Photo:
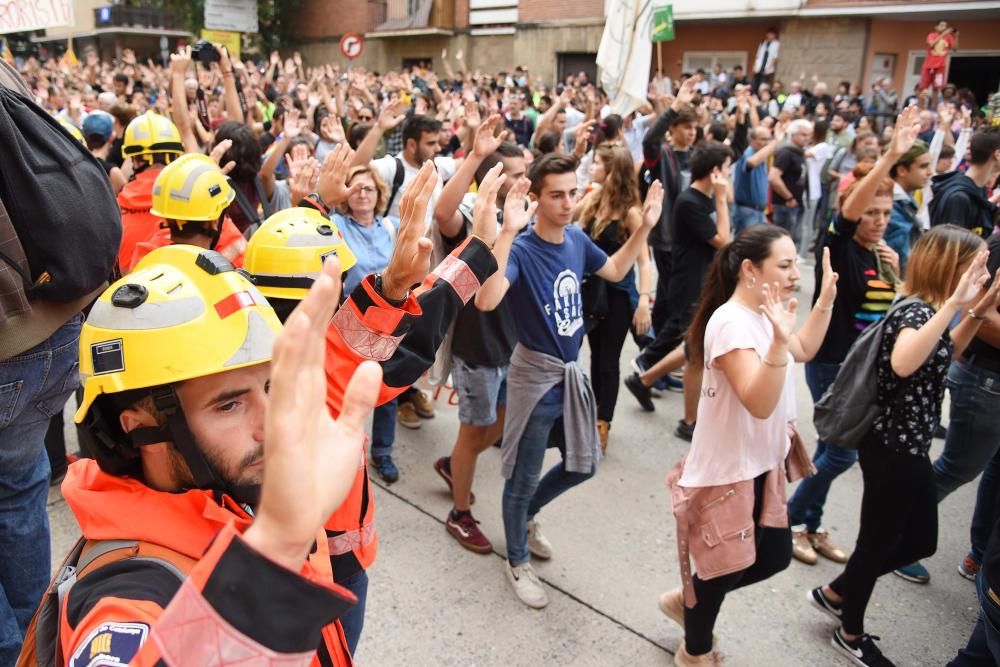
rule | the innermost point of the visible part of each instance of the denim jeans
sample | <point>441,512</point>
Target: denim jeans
<point>790,219</point>
<point>353,622</point>
<point>523,494</point>
<point>384,428</point>
<point>744,216</point>
<point>983,649</point>
<point>973,427</point>
<point>34,386</point>
<point>806,504</point>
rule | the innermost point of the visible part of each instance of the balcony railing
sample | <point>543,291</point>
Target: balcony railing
<point>399,15</point>
<point>121,16</point>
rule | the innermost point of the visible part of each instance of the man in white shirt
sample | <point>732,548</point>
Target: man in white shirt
<point>421,142</point>
<point>766,60</point>
<point>794,99</point>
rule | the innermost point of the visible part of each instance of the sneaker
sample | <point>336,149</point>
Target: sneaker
<point>443,467</point>
<point>538,545</point>
<point>914,572</point>
<point>969,568</point>
<point>406,415</point>
<point>526,585</point>
<point>684,659</point>
<point>465,529</point>
<point>684,431</point>
<point>861,651</point>
<point>658,387</point>
<point>640,391</point>
<point>824,546</point>
<point>672,606</point>
<point>823,603</point>
<point>802,548</point>
<point>422,403</point>
<point>386,469</point>
<point>670,383</point>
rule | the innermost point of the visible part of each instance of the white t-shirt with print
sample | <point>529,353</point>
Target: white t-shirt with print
<point>730,445</point>
<point>386,167</point>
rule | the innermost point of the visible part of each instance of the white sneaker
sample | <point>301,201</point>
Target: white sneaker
<point>538,545</point>
<point>526,585</point>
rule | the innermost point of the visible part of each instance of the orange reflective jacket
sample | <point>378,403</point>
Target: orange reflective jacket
<point>138,224</point>
<point>232,244</point>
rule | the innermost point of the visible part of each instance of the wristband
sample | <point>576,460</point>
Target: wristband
<point>978,318</point>
<point>377,284</point>
<point>766,362</point>
<point>825,309</point>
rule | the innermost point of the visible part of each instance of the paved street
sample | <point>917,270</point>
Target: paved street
<point>433,603</point>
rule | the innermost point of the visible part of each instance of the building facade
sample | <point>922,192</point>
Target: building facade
<point>831,40</point>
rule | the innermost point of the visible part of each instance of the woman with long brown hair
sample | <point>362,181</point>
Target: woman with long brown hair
<point>945,273</point>
<point>610,214</point>
<point>728,492</point>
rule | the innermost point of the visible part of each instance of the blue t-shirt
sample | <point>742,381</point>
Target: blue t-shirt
<point>371,245</point>
<point>544,291</point>
<point>750,184</point>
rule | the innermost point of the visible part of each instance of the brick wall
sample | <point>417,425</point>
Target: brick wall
<point>537,11</point>
<point>831,49</point>
<point>326,18</point>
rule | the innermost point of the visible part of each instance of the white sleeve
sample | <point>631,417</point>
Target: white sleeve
<point>446,167</point>
<point>386,168</point>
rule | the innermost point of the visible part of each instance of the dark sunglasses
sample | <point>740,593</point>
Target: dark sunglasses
<point>366,117</point>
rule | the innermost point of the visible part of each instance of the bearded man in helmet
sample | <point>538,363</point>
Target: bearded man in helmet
<point>215,471</point>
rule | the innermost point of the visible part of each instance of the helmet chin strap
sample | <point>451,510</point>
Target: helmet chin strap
<point>205,475</point>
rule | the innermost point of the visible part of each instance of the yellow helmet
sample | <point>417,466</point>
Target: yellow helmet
<point>183,313</point>
<point>191,188</point>
<point>286,254</point>
<point>72,129</point>
<point>151,133</point>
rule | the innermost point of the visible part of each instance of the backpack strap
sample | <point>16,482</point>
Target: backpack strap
<point>99,553</point>
<point>249,211</point>
<point>397,183</point>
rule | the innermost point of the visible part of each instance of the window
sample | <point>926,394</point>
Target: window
<point>706,60</point>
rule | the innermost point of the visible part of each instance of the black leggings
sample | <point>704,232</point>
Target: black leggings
<point>898,526</point>
<point>774,553</point>
<point>606,341</point>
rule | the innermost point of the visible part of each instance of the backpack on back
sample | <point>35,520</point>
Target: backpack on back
<point>848,410</point>
<point>42,645</point>
<point>60,225</point>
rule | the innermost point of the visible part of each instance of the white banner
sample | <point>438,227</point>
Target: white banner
<point>625,53</point>
<point>27,15</point>
<point>230,15</point>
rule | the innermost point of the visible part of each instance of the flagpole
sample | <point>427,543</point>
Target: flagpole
<point>659,60</point>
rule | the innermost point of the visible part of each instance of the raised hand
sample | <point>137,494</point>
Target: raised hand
<point>485,142</point>
<point>332,126</point>
<point>971,282</point>
<point>332,184</point>
<point>391,116</point>
<point>180,62</point>
<point>517,211</point>
<point>473,119</point>
<point>411,256</point>
<point>484,212</point>
<point>653,206</point>
<point>782,318</point>
<point>828,288</point>
<point>905,132</point>
<point>720,184</point>
<point>991,299</point>
<point>219,152</point>
<point>310,458</point>
<point>292,128</point>
<point>303,173</point>
<point>685,94</point>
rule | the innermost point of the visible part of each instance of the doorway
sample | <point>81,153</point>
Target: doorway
<point>574,63</point>
<point>977,70</point>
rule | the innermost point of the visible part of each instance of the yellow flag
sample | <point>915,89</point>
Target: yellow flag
<point>5,52</point>
<point>69,58</point>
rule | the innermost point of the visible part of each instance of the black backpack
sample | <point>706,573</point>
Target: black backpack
<point>58,201</point>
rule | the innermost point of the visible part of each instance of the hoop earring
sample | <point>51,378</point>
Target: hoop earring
<point>753,283</point>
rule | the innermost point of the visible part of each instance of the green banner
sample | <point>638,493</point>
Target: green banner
<point>663,24</point>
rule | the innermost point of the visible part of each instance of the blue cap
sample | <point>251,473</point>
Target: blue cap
<point>99,123</point>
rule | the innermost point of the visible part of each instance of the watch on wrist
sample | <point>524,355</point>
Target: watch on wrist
<point>377,283</point>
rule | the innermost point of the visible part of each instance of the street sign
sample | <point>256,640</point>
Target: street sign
<point>231,15</point>
<point>351,45</point>
<point>663,24</point>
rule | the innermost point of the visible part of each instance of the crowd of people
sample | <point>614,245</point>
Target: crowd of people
<point>300,244</point>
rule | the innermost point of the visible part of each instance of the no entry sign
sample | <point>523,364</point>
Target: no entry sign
<point>351,45</point>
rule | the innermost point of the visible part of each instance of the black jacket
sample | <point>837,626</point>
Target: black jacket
<point>959,201</point>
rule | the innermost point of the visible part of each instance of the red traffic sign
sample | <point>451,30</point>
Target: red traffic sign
<point>351,45</point>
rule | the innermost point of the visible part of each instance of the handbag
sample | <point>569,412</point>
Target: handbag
<point>594,293</point>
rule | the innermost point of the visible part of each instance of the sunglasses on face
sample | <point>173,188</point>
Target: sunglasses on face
<point>365,117</point>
